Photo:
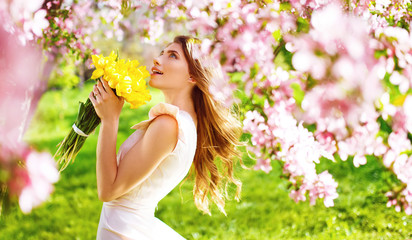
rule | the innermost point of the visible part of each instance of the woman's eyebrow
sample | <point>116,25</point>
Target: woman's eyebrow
<point>170,51</point>
<point>173,51</point>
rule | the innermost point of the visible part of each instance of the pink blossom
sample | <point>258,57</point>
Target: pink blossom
<point>362,142</point>
<point>254,123</point>
<point>407,109</point>
<point>154,30</point>
<point>42,173</point>
<point>399,121</point>
<point>387,109</point>
<point>203,22</point>
<point>305,7</point>
<point>329,101</point>
<point>400,80</point>
<point>38,23</point>
<point>398,143</point>
<point>325,187</point>
<point>30,175</point>
<point>327,142</point>
<point>26,14</point>
<point>397,10</point>
<point>23,10</point>
<point>263,164</point>
<point>298,195</point>
<point>299,150</point>
<point>287,22</point>
<point>307,61</point>
<point>403,168</point>
<point>381,5</point>
<point>359,160</point>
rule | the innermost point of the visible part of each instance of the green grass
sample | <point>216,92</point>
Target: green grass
<point>264,212</point>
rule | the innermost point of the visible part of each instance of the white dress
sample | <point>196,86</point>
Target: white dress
<point>131,216</point>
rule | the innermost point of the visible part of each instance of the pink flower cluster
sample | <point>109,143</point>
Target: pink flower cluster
<point>322,187</point>
<point>402,168</point>
<point>304,8</point>
<point>400,163</point>
<point>238,39</point>
<point>30,19</point>
<point>337,54</point>
<point>363,141</point>
<point>396,42</point>
<point>30,175</point>
<point>69,32</point>
<point>243,32</point>
<point>342,103</point>
<point>396,109</point>
<point>58,32</point>
<point>337,51</point>
<point>280,137</point>
<point>395,10</point>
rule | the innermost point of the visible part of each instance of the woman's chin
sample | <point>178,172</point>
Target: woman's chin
<point>151,83</point>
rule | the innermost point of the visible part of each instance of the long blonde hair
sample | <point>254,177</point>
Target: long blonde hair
<point>218,132</point>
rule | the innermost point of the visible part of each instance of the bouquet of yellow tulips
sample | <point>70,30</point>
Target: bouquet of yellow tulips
<point>126,78</point>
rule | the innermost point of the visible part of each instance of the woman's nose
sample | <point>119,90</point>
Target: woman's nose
<point>156,62</point>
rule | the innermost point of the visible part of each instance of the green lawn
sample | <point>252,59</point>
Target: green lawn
<point>265,211</point>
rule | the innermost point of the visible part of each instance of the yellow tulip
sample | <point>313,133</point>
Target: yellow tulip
<point>112,57</point>
<point>114,80</point>
<point>134,64</point>
<point>98,61</point>
<point>97,73</point>
<point>127,80</point>
<point>110,70</point>
<point>143,71</point>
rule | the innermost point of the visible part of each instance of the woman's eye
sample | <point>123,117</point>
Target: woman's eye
<point>172,55</point>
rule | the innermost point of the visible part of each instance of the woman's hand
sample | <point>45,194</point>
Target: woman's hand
<point>107,105</point>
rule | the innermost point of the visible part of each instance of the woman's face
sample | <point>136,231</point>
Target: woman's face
<point>170,70</point>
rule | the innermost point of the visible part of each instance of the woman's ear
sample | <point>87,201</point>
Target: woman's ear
<point>192,80</point>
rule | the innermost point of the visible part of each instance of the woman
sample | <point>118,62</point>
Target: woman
<point>191,128</point>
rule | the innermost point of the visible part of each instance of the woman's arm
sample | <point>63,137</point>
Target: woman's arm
<point>106,164</point>
<point>140,161</point>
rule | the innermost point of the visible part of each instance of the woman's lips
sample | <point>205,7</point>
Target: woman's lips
<point>155,70</point>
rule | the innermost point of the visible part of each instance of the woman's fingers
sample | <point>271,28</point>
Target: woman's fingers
<point>106,104</point>
<point>103,82</point>
<point>95,89</point>
<point>106,87</point>
<point>100,87</point>
<point>92,98</point>
<point>97,93</point>
<point>103,92</point>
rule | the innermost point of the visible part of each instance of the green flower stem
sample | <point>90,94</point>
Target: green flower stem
<point>87,120</point>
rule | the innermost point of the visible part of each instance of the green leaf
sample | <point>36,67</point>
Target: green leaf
<point>384,126</point>
<point>277,35</point>
<point>303,25</point>
<point>298,93</point>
